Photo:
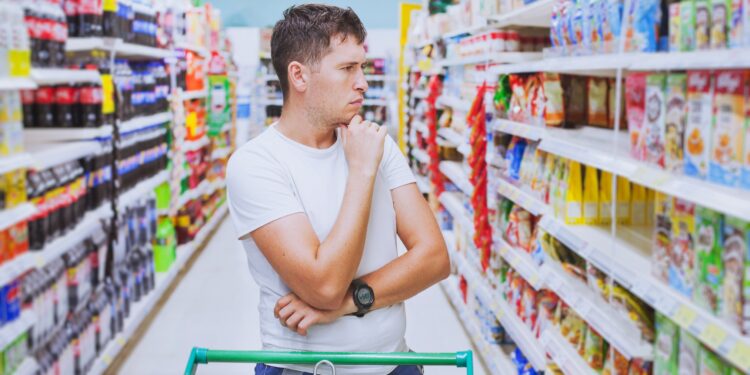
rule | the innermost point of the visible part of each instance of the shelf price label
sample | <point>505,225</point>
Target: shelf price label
<point>684,316</point>
<point>740,355</point>
<point>713,335</point>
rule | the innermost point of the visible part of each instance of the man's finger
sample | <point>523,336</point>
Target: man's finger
<point>294,320</point>
<point>286,312</point>
<point>281,303</point>
<point>307,322</point>
<point>355,120</point>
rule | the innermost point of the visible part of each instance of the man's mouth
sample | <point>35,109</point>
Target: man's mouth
<point>359,101</point>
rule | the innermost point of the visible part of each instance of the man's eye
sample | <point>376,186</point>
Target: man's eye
<point>349,68</point>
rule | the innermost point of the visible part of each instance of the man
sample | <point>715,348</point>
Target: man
<point>318,199</point>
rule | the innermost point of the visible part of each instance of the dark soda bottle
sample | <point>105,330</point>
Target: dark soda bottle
<point>91,105</point>
<point>65,106</point>
<point>71,16</point>
<point>90,18</point>
<point>58,37</point>
<point>27,105</point>
<point>44,105</point>
<point>110,25</point>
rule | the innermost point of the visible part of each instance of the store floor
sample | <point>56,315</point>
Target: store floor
<point>214,306</point>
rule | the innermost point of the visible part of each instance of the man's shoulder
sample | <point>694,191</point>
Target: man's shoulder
<point>255,151</point>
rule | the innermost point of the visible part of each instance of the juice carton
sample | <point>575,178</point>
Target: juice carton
<point>746,22</point>
<point>650,206</point>
<point>662,236</point>
<point>591,196</point>
<point>675,122</point>
<point>655,118</point>
<point>733,257</point>
<point>698,125</point>
<point>638,205</point>
<point>681,265</point>
<point>687,25</point>
<point>736,24</point>
<point>702,24</point>
<point>690,347</point>
<point>720,17</point>
<point>624,213</point>
<point>728,126</point>
<point>635,101</point>
<point>666,346</point>
<point>605,198</point>
<point>708,262</point>
<point>675,38</point>
<point>574,195</point>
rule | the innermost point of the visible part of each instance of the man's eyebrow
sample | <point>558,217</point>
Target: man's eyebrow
<point>352,63</point>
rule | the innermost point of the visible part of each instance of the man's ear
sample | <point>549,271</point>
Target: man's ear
<point>298,76</point>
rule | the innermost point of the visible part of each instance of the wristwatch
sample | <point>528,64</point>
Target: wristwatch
<point>363,297</point>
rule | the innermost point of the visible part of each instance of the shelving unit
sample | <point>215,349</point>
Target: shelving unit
<point>11,331</point>
<point>16,83</point>
<point>18,161</point>
<point>68,134</point>
<point>118,47</point>
<point>46,155</point>
<point>144,122</point>
<point>127,198</point>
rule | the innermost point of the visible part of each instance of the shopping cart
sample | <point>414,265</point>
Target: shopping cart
<point>330,359</point>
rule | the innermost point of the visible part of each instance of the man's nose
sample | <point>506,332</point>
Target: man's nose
<point>360,84</point>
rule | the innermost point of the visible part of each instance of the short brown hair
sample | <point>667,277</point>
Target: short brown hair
<point>305,32</point>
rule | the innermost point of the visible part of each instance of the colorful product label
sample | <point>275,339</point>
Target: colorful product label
<point>729,121</point>
<point>698,125</point>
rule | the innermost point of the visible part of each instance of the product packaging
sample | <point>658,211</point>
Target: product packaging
<point>595,350</point>
<point>605,198</point>
<point>675,38</point>
<point>554,113</point>
<point>698,124</point>
<point>646,17</point>
<point>655,119</point>
<point>638,205</point>
<point>220,109</point>
<point>746,285</point>
<point>681,265</point>
<point>595,20</point>
<point>650,206</point>
<point>597,102</point>
<point>745,174</point>
<point>708,260</point>
<point>702,24</point>
<point>574,91</point>
<point>720,18</point>
<point>675,122</point>
<point>736,24</point>
<point>502,96</point>
<point>597,280</point>
<point>574,196</point>
<point>624,214</point>
<point>687,25</point>
<point>635,89</point>
<point>633,309</point>
<point>710,363</point>
<point>735,237</point>
<point>666,346</point>
<point>612,24</point>
<point>728,127</point>
<point>591,196</point>
<point>662,237</point>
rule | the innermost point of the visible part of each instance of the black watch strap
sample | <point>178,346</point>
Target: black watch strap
<point>363,297</point>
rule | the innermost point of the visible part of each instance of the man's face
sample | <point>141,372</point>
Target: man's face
<point>337,86</point>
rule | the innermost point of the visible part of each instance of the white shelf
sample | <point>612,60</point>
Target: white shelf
<point>221,153</point>
<point>118,46</point>
<point>11,331</point>
<point>521,262</point>
<point>452,136</point>
<point>420,126</point>
<point>203,51</point>
<point>564,354</point>
<point>195,145</point>
<point>15,267</point>
<point>420,155</point>
<point>474,29</point>
<point>454,172</point>
<point>455,207</point>
<point>67,134</point>
<point>493,58</point>
<point>595,65</point>
<point>13,215</point>
<point>458,104</point>
<point>423,183</point>
<point>522,198</point>
<point>496,361</point>
<point>144,122</point>
<point>46,155</point>
<point>90,223</point>
<point>419,94</point>
<point>13,162</point>
<point>195,94</point>
<point>16,83</point>
<point>519,129</point>
<point>127,198</point>
<point>215,185</point>
<point>714,59</point>
<point>536,14</point>
<point>29,366</point>
<point>46,77</point>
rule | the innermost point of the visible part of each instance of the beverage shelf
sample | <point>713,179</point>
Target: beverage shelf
<point>535,14</point>
<point>68,134</point>
<point>144,122</point>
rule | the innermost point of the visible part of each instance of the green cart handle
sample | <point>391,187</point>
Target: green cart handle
<point>202,355</point>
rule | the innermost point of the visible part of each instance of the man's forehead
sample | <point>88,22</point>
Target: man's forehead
<point>346,47</point>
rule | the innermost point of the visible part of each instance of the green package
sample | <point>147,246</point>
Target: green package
<point>733,258</point>
<point>687,25</point>
<point>218,100</point>
<point>702,24</point>
<point>709,267</point>
<point>721,13</point>
<point>710,363</point>
<point>689,354</point>
<point>666,346</point>
<point>502,95</point>
<point>676,118</point>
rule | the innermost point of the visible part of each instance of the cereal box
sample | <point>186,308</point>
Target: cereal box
<point>736,24</point>
<point>681,261</point>
<point>733,257</point>
<point>666,346</point>
<point>720,16</point>
<point>675,123</point>
<point>687,25</point>
<point>746,285</point>
<point>662,237</point>
<point>708,262</point>
<point>698,124</point>
<point>655,117</point>
<point>687,364</point>
<point>635,102</point>
<point>702,24</point>
<point>675,38</point>
<point>728,125</point>
<point>745,180</point>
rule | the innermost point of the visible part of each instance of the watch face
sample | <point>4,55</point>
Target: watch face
<point>364,295</point>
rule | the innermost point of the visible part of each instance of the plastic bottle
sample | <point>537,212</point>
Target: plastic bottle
<point>27,102</point>
<point>6,38</point>
<point>165,245</point>
<point>70,7</point>
<point>91,105</point>
<point>110,24</point>
<point>65,101</point>
<point>90,18</point>
<point>44,106</point>
<point>59,35</point>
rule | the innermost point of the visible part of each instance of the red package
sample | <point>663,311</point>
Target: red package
<point>635,103</point>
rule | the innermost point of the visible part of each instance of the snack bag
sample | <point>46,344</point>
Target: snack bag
<point>698,124</point>
<point>635,101</point>
<point>597,102</point>
<point>708,262</point>
<point>736,24</point>
<point>597,280</point>
<point>503,93</point>
<point>646,17</point>
<point>675,122</point>
<point>745,174</point>
<point>554,113</point>
<point>518,99</point>
<point>702,25</point>
<point>638,205</point>
<point>595,19</point>
<point>710,363</point>
<point>605,198</point>
<point>612,24</point>
<point>733,257</point>
<point>687,363</point>
<point>666,346</point>
<point>595,350</point>
<point>574,91</point>
<point>720,18</point>
<point>675,39</point>
<point>617,364</point>
<point>655,119</point>
<point>574,196</point>
<point>687,25</point>
<point>682,259</point>
<point>633,309</point>
<point>662,237</point>
<point>591,196</point>
<point>556,39</point>
<point>577,24</point>
<point>728,126</point>
<point>624,213</point>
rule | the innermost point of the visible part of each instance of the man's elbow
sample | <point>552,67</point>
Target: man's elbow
<point>327,296</point>
<point>442,261</point>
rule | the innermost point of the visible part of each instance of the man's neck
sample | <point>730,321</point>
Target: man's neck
<point>295,124</point>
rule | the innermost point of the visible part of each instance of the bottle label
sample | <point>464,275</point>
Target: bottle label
<point>20,63</point>
<point>45,95</point>
<point>65,95</point>
<point>91,95</point>
<point>109,6</point>
<point>108,90</point>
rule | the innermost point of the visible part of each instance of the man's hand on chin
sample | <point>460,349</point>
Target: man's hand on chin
<point>298,316</point>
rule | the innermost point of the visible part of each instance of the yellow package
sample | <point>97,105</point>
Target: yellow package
<point>650,206</point>
<point>624,214</point>
<point>638,211</point>
<point>591,196</point>
<point>605,198</point>
<point>574,194</point>
<point>15,188</point>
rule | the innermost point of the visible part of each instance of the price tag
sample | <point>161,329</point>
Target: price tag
<point>120,341</point>
<point>740,355</point>
<point>107,359</point>
<point>713,335</point>
<point>39,261</point>
<point>534,279</point>
<point>667,306</point>
<point>684,316</point>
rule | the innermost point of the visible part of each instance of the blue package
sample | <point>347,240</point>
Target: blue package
<point>3,305</point>
<point>554,32</point>
<point>514,157</point>
<point>646,20</point>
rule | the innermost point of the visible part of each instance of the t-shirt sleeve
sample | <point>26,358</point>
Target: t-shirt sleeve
<point>258,192</point>
<point>395,166</point>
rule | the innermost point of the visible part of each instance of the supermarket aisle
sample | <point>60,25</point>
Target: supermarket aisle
<point>214,306</point>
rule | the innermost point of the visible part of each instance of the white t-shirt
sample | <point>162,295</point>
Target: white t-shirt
<point>273,176</point>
